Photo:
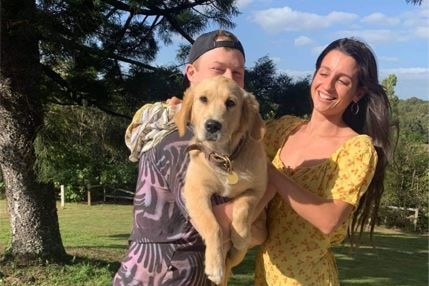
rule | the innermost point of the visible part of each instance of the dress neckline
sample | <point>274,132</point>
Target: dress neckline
<point>290,170</point>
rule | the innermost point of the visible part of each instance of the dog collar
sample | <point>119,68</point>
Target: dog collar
<point>223,161</point>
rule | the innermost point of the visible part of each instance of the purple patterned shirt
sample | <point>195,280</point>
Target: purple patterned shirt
<point>165,249</point>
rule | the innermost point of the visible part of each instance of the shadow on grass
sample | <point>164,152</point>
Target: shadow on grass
<point>112,266</point>
<point>74,270</point>
<point>121,236</point>
<point>107,246</point>
<point>395,260</point>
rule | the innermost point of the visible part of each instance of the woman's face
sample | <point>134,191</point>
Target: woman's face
<point>335,84</point>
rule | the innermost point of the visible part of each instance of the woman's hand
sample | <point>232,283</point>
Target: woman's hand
<point>259,230</point>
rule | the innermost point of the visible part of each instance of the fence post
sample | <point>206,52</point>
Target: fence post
<point>62,196</point>
<point>416,216</point>
<point>88,186</point>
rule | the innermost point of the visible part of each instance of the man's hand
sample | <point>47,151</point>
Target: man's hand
<point>174,101</point>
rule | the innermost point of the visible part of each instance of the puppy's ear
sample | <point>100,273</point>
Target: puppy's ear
<point>183,116</point>
<point>251,117</point>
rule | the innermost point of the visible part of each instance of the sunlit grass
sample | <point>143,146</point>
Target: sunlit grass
<point>97,237</point>
<point>397,259</point>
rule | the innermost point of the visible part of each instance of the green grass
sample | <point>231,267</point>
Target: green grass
<point>398,259</point>
<point>97,238</point>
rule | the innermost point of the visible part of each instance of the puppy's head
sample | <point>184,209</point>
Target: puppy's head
<point>214,108</point>
<point>219,110</point>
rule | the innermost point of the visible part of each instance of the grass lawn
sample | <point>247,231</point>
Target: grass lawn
<point>97,237</point>
<point>398,259</point>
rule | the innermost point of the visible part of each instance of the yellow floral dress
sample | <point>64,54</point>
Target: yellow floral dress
<point>297,253</point>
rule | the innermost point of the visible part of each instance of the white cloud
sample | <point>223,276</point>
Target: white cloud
<point>416,18</point>
<point>422,32</point>
<point>297,75</point>
<point>302,41</point>
<point>243,3</point>
<point>416,23</point>
<point>276,60</point>
<point>425,7</point>
<point>389,59</point>
<point>380,19</point>
<point>412,73</point>
<point>285,19</point>
<point>318,50</point>
<point>375,36</point>
<point>412,81</point>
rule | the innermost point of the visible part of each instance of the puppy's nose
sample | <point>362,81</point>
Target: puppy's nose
<point>212,126</point>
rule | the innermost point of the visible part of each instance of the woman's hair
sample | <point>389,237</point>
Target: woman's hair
<point>373,119</point>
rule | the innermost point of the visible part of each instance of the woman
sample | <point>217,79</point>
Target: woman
<point>328,171</point>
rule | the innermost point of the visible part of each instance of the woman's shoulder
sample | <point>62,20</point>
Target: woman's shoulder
<point>358,147</point>
<point>284,122</point>
<point>360,141</point>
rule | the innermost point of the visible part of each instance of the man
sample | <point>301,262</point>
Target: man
<point>165,248</point>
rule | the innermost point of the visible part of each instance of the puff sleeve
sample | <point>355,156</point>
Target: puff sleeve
<point>355,169</point>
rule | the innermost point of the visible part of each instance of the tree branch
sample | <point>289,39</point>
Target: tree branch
<point>62,82</point>
<point>122,32</point>
<point>111,112</point>
<point>153,11</point>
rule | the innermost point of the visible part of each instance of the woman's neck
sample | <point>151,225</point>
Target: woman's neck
<point>322,126</point>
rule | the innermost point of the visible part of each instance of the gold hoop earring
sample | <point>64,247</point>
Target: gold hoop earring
<point>354,108</point>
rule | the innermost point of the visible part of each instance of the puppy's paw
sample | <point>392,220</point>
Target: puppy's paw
<point>214,267</point>
<point>215,274</point>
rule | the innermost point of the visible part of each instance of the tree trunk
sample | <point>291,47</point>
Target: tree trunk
<point>32,206</point>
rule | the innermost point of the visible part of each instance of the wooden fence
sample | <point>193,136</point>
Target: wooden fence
<point>108,193</point>
<point>413,214</point>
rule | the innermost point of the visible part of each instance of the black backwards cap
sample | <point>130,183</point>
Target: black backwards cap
<point>207,42</point>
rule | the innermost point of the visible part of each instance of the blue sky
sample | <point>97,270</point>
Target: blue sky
<point>293,33</point>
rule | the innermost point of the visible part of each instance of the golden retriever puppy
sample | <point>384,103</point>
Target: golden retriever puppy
<point>226,158</point>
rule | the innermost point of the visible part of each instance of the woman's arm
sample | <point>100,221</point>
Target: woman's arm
<point>325,214</point>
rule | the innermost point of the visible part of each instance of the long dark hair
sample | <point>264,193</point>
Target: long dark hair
<point>372,119</point>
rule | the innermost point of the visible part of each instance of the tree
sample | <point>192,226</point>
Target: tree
<point>415,2</point>
<point>408,174</point>
<point>34,222</point>
<point>276,92</point>
<point>389,84</point>
<point>74,52</point>
<point>80,146</point>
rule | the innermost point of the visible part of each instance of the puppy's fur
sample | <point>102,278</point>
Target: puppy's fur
<point>223,116</point>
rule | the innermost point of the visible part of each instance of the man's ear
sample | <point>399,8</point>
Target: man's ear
<point>190,71</point>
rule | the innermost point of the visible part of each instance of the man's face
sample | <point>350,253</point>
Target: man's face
<point>220,61</point>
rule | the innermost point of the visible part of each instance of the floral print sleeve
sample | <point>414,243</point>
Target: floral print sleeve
<point>356,163</point>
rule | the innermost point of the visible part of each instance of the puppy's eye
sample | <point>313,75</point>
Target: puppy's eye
<point>229,103</point>
<point>203,99</point>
